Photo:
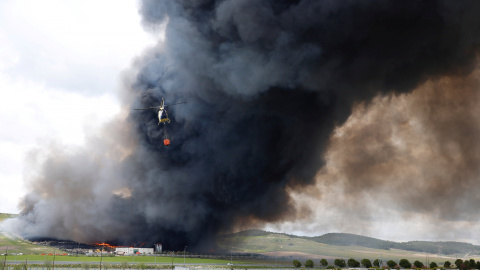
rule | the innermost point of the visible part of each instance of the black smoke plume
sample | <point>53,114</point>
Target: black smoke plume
<point>266,83</point>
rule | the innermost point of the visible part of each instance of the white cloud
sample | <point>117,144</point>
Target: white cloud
<point>75,45</point>
<point>60,65</point>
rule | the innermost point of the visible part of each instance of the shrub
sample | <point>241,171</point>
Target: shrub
<point>418,264</point>
<point>85,266</point>
<point>353,263</point>
<point>404,263</point>
<point>391,263</point>
<point>340,263</point>
<point>323,262</point>
<point>297,263</point>
<point>48,265</point>
<point>366,263</point>
<point>309,264</point>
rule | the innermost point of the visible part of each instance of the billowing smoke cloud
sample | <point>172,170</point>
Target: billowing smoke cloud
<point>266,84</point>
<point>405,161</point>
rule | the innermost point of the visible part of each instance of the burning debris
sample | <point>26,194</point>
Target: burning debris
<point>61,244</point>
<point>266,83</point>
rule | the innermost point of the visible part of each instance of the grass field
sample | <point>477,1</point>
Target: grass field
<point>117,259</point>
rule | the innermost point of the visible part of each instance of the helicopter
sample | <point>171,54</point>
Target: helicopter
<point>161,109</point>
<point>163,120</point>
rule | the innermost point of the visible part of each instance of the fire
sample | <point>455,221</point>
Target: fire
<point>105,245</point>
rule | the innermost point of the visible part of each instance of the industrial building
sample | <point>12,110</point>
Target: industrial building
<point>158,248</point>
<point>133,250</point>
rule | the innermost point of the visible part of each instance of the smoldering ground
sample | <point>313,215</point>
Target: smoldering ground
<point>266,82</point>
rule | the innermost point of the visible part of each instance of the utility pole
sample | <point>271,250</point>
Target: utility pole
<point>53,258</point>
<point>184,250</point>
<point>101,258</point>
<point>5,261</point>
<point>276,254</point>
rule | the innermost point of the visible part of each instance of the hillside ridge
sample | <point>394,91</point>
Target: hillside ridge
<point>348,239</point>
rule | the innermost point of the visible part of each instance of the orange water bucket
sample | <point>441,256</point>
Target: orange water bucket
<point>166,142</point>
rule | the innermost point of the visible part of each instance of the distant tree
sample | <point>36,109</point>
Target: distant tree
<point>465,265</point>
<point>366,263</point>
<point>376,263</point>
<point>433,265</point>
<point>323,262</point>
<point>391,263</point>
<point>472,263</point>
<point>404,263</point>
<point>309,264</point>
<point>297,263</point>
<point>353,263</point>
<point>340,263</point>
<point>458,263</point>
<point>447,264</point>
<point>418,264</point>
<point>477,265</point>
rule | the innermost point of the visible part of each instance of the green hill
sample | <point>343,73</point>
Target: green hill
<point>343,245</point>
<point>444,248</point>
<point>345,239</point>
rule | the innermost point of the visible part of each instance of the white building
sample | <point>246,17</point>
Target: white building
<point>133,250</point>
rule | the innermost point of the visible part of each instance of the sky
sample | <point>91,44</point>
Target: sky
<point>60,67</point>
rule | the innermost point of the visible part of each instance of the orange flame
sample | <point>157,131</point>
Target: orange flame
<point>104,245</point>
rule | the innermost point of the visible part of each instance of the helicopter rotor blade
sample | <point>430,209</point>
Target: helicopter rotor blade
<point>175,104</point>
<point>150,108</point>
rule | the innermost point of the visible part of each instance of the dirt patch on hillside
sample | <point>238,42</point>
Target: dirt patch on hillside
<point>296,254</point>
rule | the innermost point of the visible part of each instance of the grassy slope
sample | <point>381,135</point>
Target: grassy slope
<point>290,247</point>
<point>16,244</point>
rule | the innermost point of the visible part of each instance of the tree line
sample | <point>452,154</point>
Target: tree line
<point>401,264</point>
